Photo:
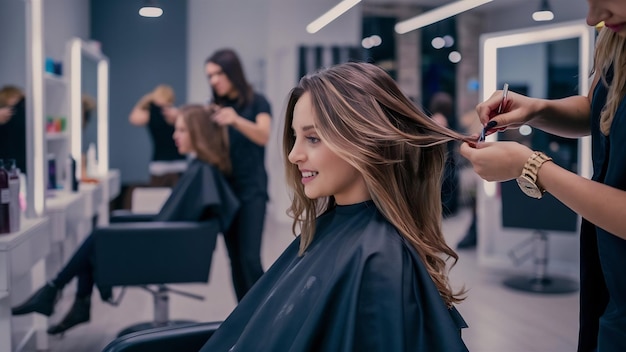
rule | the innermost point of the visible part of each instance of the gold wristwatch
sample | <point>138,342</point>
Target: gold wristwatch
<point>528,179</point>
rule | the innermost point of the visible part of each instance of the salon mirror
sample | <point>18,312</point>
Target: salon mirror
<point>89,111</point>
<point>89,107</point>
<point>552,61</point>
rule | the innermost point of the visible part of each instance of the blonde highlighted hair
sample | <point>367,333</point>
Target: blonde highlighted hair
<point>363,117</point>
<point>611,53</point>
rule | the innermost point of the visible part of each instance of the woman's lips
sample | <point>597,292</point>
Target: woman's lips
<point>615,27</point>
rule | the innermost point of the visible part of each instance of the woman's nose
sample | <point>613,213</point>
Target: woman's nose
<point>295,155</point>
<point>596,14</point>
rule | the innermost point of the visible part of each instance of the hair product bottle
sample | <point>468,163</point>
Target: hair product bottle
<point>14,194</point>
<point>5,198</point>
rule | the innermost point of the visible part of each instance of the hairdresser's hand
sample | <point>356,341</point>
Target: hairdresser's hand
<point>170,113</point>
<point>226,116</point>
<point>497,161</point>
<point>5,114</point>
<point>517,110</point>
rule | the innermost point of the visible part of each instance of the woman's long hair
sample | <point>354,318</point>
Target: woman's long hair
<point>364,118</point>
<point>228,60</point>
<point>208,139</point>
<point>611,52</point>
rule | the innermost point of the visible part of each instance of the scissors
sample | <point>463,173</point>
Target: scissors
<point>505,92</point>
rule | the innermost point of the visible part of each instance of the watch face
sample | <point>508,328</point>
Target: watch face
<point>528,187</point>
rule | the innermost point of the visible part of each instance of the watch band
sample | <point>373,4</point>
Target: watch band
<point>531,168</point>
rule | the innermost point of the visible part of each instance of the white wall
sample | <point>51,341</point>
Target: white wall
<point>266,35</point>
<point>63,19</point>
<point>238,24</point>
<point>12,43</point>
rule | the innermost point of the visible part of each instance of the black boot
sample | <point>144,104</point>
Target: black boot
<point>79,313</point>
<point>470,238</point>
<point>42,301</point>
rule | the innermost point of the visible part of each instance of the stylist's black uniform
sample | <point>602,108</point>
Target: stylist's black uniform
<point>13,137</point>
<point>249,182</point>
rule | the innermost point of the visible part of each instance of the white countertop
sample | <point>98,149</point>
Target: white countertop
<point>28,228</point>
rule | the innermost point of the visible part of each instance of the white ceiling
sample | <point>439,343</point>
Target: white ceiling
<point>434,3</point>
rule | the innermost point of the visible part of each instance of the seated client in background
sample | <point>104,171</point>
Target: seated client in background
<point>202,193</point>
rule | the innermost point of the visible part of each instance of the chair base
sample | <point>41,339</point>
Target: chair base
<point>151,324</point>
<point>550,285</point>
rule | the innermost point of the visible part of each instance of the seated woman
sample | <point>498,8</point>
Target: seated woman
<point>201,193</point>
<point>368,271</point>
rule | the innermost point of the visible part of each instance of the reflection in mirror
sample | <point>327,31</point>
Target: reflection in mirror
<point>89,73</point>
<point>540,70</point>
<point>89,124</point>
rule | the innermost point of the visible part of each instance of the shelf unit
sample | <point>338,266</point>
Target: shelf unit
<point>56,107</point>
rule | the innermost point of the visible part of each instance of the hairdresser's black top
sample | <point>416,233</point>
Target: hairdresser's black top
<point>248,158</point>
<point>13,137</point>
<point>359,287</point>
<point>163,146</point>
<point>201,192</point>
<point>603,267</point>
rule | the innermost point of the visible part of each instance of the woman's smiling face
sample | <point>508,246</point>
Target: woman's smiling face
<point>323,172</point>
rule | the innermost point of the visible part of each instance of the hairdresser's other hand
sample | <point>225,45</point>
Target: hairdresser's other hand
<point>517,110</point>
<point>497,161</point>
<point>5,114</point>
<point>226,116</point>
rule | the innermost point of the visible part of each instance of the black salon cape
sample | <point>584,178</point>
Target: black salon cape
<point>359,287</point>
<point>202,187</point>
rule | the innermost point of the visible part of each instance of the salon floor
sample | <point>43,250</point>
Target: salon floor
<point>500,319</point>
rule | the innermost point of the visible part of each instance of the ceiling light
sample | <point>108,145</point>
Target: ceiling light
<point>437,14</point>
<point>454,57</point>
<point>544,13</point>
<point>331,15</point>
<point>438,42</point>
<point>150,9</point>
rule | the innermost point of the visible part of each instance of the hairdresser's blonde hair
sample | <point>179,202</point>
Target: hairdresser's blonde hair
<point>164,93</point>
<point>363,117</point>
<point>611,52</point>
<point>8,93</point>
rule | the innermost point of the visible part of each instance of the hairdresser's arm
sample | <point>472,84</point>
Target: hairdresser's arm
<point>596,202</point>
<point>567,117</point>
<point>140,115</point>
<point>257,131</point>
<point>5,114</point>
<point>170,113</point>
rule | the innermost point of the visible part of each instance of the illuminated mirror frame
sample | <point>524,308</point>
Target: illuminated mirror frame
<point>35,122</point>
<point>78,49</point>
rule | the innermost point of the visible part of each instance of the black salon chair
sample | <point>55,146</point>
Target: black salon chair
<point>130,252</point>
<point>180,338</point>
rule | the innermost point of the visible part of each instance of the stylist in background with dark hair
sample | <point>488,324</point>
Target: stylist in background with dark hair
<point>248,115</point>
